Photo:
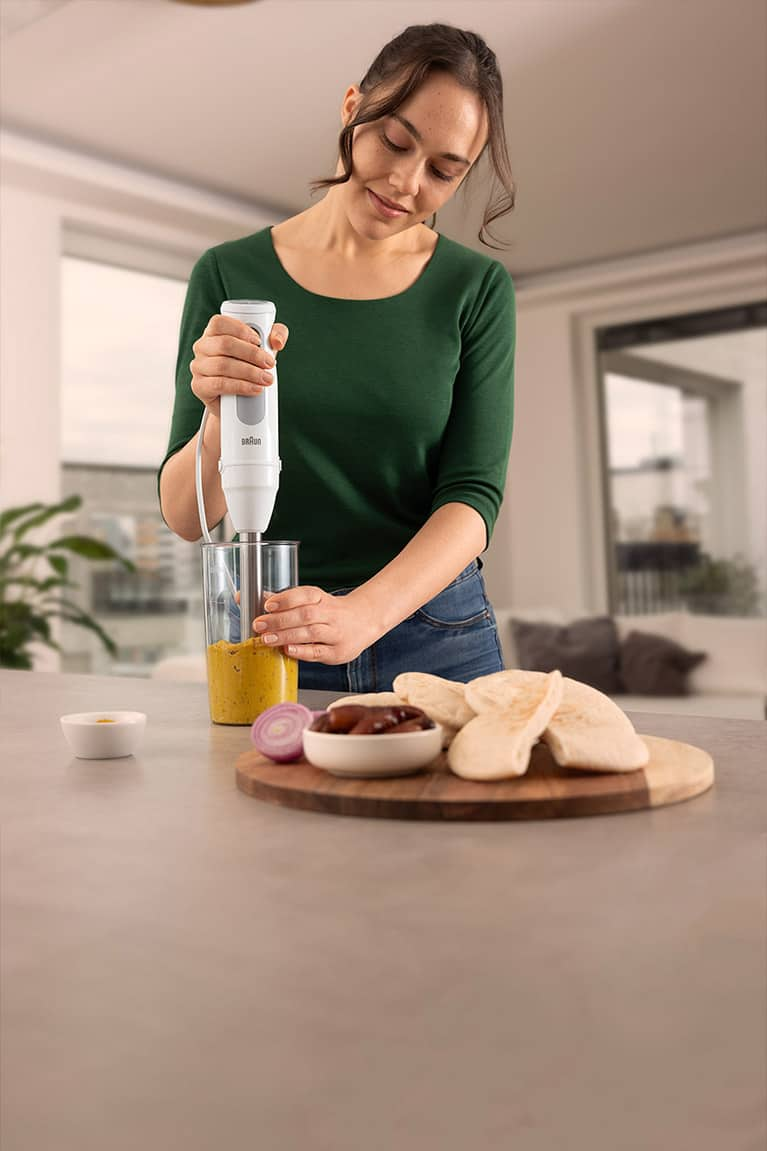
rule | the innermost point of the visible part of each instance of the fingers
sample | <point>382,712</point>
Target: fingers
<point>317,633</point>
<point>278,337</point>
<point>238,333</point>
<point>313,653</point>
<point>294,597</point>
<point>291,623</point>
<point>299,626</point>
<point>230,373</point>
<point>242,345</point>
<point>229,359</point>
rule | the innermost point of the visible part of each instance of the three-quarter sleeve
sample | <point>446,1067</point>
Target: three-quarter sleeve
<point>204,296</point>
<point>475,448</point>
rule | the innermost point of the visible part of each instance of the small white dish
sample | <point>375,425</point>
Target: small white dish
<point>103,734</point>
<point>372,756</point>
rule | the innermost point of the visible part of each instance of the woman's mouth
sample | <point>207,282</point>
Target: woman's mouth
<point>385,209</point>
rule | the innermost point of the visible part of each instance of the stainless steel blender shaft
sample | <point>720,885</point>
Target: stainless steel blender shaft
<point>251,582</point>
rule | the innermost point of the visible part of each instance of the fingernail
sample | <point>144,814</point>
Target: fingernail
<point>270,361</point>
<point>270,638</point>
<point>271,605</point>
<point>260,625</point>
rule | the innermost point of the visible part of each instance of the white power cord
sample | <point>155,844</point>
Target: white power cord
<point>198,479</point>
<point>201,499</point>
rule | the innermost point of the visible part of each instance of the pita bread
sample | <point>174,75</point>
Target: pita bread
<point>497,743</point>
<point>370,699</point>
<point>588,731</point>
<point>442,699</point>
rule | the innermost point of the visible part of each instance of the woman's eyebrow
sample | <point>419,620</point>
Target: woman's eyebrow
<point>417,136</point>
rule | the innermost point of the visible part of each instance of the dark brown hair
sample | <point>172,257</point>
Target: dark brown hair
<point>406,61</point>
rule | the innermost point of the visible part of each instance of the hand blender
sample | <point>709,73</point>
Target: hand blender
<point>249,464</point>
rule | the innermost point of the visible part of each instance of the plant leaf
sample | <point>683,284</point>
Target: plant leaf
<point>59,564</point>
<point>8,517</point>
<point>16,553</point>
<point>19,626</point>
<point>40,585</point>
<point>49,511</point>
<point>90,549</point>
<point>15,658</point>
<point>85,621</point>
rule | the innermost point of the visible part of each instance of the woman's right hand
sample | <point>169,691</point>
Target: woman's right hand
<point>229,359</point>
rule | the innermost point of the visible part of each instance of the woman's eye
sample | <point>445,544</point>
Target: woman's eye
<point>397,148</point>
<point>390,144</point>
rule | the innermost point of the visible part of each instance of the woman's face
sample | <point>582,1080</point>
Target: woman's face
<point>414,159</point>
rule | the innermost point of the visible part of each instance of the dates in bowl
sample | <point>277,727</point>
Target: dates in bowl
<point>356,741</point>
<point>355,719</point>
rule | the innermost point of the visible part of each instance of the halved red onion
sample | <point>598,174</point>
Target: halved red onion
<point>279,731</point>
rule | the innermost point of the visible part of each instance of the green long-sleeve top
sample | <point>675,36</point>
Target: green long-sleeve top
<point>388,408</point>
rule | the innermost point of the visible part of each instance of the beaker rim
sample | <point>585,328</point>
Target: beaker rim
<point>250,543</point>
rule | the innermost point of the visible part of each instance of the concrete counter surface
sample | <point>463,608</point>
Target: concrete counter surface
<point>186,967</point>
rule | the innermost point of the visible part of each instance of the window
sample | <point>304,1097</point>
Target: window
<point>685,429</point>
<point>119,333</point>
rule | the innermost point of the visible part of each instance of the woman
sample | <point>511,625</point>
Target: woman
<point>396,387</point>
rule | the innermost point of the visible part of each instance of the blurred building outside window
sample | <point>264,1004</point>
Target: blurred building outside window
<point>119,333</point>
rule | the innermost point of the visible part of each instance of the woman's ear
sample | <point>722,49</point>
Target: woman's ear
<point>350,104</point>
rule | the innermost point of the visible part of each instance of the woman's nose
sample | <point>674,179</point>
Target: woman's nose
<point>405,178</point>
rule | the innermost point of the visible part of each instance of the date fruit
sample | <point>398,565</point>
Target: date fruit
<point>355,719</point>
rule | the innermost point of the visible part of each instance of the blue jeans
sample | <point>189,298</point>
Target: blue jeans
<point>454,635</point>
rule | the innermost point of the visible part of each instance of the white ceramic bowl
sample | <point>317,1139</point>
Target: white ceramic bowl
<point>372,756</point>
<point>91,738</point>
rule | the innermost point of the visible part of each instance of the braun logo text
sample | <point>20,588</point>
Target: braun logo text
<point>251,441</point>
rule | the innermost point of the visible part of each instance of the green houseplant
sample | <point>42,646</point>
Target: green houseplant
<point>721,587</point>
<point>34,578</point>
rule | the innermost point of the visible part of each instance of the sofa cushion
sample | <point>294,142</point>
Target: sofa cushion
<point>504,617</point>
<point>654,665</point>
<point>668,623</point>
<point>737,650</point>
<point>586,649</point>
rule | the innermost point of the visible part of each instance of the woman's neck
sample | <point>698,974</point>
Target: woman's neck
<point>325,228</point>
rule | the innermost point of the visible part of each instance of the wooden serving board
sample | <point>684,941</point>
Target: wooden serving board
<point>675,771</point>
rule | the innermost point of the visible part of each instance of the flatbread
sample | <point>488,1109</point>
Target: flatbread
<point>589,731</point>
<point>442,699</point>
<point>497,743</point>
<point>370,699</point>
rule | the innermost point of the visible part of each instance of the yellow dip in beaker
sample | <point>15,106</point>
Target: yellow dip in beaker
<point>245,679</point>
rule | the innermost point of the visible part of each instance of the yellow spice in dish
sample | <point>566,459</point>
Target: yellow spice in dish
<point>245,679</point>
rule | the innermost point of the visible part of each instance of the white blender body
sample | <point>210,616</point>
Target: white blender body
<point>250,459</point>
<point>249,464</point>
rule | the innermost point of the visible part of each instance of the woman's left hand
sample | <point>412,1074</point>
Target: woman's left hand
<point>310,624</point>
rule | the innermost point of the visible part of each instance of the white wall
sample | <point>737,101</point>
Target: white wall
<point>548,547</point>
<point>47,195</point>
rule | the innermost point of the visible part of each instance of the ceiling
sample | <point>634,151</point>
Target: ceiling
<point>633,125</point>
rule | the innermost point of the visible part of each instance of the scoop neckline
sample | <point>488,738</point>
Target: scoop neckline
<point>352,299</point>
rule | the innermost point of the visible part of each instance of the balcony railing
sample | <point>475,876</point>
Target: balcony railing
<point>649,574</point>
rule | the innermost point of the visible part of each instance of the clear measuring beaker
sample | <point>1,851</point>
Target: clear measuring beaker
<point>245,675</point>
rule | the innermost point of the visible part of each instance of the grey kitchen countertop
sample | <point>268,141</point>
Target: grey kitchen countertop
<point>186,967</point>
